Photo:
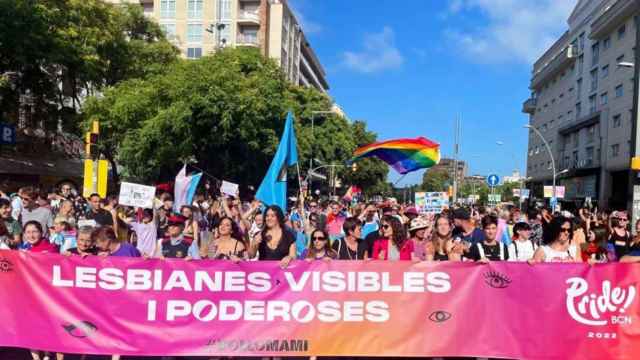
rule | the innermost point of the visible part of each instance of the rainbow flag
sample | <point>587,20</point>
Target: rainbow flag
<point>404,155</point>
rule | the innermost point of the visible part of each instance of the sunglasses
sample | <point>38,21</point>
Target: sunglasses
<point>319,238</point>
<point>386,226</point>
<point>565,230</point>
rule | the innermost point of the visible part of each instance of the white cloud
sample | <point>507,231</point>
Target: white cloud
<point>515,30</point>
<point>379,53</point>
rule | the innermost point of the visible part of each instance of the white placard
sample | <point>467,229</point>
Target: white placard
<point>137,195</point>
<point>229,188</point>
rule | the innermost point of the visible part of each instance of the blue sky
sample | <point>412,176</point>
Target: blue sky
<point>410,67</point>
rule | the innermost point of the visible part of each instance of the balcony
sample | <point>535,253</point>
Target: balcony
<point>529,106</point>
<point>588,120</point>
<point>248,17</point>
<point>553,67</point>
<point>579,164</point>
<point>247,40</point>
<point>612,17</point>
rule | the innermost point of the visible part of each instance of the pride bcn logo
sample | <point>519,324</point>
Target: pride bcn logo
<point>599,309</point>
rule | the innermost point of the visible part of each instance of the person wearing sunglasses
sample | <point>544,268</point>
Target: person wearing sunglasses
<point>620,238</point>
<point>557,246</point>
<point>394,245</point>
<point>319,247</point>
<point>351,246</point>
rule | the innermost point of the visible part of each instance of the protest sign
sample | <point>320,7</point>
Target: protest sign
<point>137,195</point>
<point>548,192</point>
<point>431,202</point>
<point>229,188</point>
<point>143,307</point>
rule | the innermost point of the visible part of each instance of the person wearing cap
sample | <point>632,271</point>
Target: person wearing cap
<point>522,248</point>
<point>420,233</point>
<point>370,220</point>
<point>465,229</point>
<point>174,246</point>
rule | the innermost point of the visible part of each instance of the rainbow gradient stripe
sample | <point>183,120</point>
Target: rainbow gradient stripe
<point>404,155</point>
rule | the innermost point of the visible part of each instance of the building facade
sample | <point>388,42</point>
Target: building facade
<point>581,102</point>
<point>199,27</point>
<point>448,165</point>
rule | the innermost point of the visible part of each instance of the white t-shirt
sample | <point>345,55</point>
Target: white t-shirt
<point>147,236</point>
<point>551,255</point>
<point>525,250</point>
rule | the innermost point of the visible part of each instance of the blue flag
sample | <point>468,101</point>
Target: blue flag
<point>273,190</point>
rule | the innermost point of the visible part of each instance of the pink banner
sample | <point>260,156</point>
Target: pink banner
<point>154,307</point>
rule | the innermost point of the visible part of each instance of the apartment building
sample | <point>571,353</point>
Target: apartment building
<point>448,165</point>
<point>199,27</point>
<point>581,102</point>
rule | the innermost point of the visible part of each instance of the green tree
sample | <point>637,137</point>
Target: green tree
<point>225,112</point>
<point>437,180</point>
<point>63,50</point>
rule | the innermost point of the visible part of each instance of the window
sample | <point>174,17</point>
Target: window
<point>169,31</point>
<point>578,110</point>
<point>575,159</point>
<point>617,120</point>
<point>589,156</point>
<point>194,53</point>
<point>592,104</point>
<point>606,43</point>
<point>544,127</point>
<point>581,40</point>
<point>594,79</point>
<point>604,99</point>
<point>537,150</point>
<point>569,113</point>
<point>620,59</point>
<point>591,132</point>
<point>579,87</point>
<point>167,9</point>
<point>551,124</point>
<point>194,33</point>
<point>595,53</point>
<point>619,91</point>
<point>576,139</point>
<point>615,150</point>
<point>605,71</point>
<point>224,9</point>
<point>548,164</point>
<point>580,63</point>
<point>621,31</point>
<point>561,95</point>
<point>194,9</point>
<point>225,34</point>
<point>553,101</point>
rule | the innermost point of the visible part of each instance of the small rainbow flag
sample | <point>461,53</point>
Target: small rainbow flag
<point>404,155</point>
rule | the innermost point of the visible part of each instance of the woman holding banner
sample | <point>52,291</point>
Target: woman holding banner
<point>227,246</point>
<point>274,242</point>
<point>319,248</point>
<point>442,246</point>
<point>394,245</point>
<point>557,243</point>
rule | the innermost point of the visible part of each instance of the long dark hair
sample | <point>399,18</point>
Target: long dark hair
<point>235,230</point>
<point>399,236</point>
<point>311,254</point>
<point>553,229</point>
<point>436,238</point>
<point>281,220</point>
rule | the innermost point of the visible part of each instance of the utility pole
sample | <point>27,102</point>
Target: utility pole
<point>456,150</point>
<point>634,182</point>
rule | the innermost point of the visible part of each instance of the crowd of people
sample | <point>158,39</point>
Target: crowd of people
<point>226,228</point>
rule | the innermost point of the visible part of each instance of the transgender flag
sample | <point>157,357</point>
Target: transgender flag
<point>184,188</point>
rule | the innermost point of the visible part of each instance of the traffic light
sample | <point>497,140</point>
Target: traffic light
<point>91,140</point>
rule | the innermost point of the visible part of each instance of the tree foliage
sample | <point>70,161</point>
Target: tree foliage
<point>224,113</point>
<point>438,180</point>
<point>60,51</point>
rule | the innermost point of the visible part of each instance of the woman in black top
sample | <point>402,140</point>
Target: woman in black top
<point>274,242</point>
<point>620,237</point>
<point>351,247</point>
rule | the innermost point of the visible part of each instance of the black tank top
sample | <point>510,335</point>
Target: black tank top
<point>620,244</point>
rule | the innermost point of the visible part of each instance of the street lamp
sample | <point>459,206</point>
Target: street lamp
<point>553,162</point>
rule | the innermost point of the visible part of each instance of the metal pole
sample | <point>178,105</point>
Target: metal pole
<point>553,162</point>
<point>634,182</point>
